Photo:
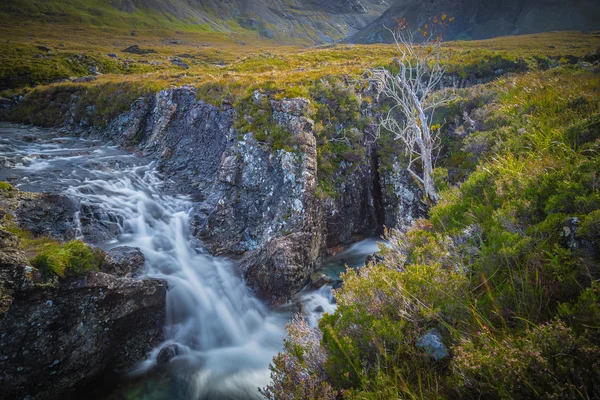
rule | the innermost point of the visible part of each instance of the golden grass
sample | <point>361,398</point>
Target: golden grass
<point>238,63</point>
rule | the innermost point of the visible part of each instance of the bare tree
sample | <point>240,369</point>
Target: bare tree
<point>414,92</point>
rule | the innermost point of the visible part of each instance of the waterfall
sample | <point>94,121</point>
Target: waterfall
<point>225,337</point>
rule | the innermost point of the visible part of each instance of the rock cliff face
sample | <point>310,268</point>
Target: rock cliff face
<point>56,335</point>
<point>253,203</point>
<point>251,200</point>
<point>56,338</point>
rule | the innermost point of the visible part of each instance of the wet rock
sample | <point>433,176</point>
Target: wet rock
<point>135,49</point>
<point>85,79</point>
<point>432,344</point>
<point>374,259</point>
<point>124,261</point>
<point>568,234</point>
<point>167,353</point>
<point>47,214</point>
<point>278,269</point>
<point>319,309</point>
<point>319,279</point>
<point>337,284</point>
<point>30,138</point>
<point>63,336</point>
<point>98,226</point>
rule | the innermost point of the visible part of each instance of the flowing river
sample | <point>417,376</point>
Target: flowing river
<point>225,336</point>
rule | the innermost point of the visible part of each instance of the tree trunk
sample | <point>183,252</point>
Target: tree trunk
<point>427,160</point>
<point>428,182</point>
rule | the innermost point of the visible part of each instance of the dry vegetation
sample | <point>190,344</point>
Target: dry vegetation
<point>235,61</point>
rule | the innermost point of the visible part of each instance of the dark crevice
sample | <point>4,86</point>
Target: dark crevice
<point>377,193</point>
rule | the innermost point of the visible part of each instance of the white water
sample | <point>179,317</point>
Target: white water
<point>226,335</point>
<point>227,338</point>
<point>317,302</point>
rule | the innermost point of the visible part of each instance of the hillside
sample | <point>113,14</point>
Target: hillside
<point>307,21</point>
<point>484,19</point>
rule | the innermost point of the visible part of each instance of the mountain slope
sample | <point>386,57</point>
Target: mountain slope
<point>273,19</point>
<point>475,19</point>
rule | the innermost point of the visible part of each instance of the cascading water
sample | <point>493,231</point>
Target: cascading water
<point>224,338</point>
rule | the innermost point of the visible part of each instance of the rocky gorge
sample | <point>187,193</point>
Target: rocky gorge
<point>254,204</point>
<point>260,207</point>
<point>265,206</point>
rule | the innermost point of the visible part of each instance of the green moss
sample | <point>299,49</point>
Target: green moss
<point>69,259</point>
<point>6,189</point>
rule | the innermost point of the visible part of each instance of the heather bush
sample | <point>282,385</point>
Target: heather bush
<point>505,267</point>
<point>382,314</point>
<point>299,371</point>
<point>550,362</point>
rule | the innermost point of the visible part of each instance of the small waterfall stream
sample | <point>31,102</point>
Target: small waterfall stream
<point>225,337</point>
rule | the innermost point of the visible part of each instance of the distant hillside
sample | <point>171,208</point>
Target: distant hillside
<point>481,19</point>
<point>312,20</point>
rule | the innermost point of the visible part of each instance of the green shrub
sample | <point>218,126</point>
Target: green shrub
<point>382,313</point>
<point>505,267</point>
<point>69,259</point>
<point>549,362</point>
<point>583,314</point>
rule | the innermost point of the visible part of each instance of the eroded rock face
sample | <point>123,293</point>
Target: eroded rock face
<point>55,338</point>
<point>47,214</point>
<point>280,267</point>
<point>124,261</point>
<point>358,210</point>
<point>251,199</point>
<point>402,198</point>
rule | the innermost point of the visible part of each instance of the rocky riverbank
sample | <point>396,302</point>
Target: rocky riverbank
<point>62,333</point>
